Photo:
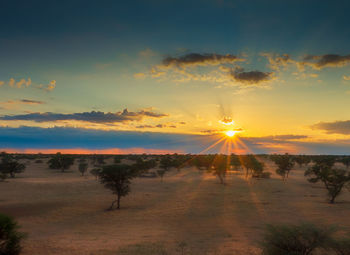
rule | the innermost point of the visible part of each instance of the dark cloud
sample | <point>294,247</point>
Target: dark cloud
<point>201,59</point>
<point>95,117</point>
<point>328,60</point>
<point>252,77</point>
<point>157,126</point>
<point>29,101</point>
<point>336,127</point>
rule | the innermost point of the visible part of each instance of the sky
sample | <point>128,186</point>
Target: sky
<point>174,76</point>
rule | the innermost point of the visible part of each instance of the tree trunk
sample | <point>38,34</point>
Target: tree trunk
<point>118,204</point>
<point>111,207</point>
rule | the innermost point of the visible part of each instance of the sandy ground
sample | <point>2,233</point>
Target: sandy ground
<point>64,213</point>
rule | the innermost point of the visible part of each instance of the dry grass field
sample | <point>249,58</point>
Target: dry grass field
<point>64,213</point>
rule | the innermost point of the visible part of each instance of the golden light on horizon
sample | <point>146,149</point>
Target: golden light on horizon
<point>230,133</point>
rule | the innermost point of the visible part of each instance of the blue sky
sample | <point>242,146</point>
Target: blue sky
<point>274,67</point>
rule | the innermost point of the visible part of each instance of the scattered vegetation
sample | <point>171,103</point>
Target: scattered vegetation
<point>61,161</point>
<point>10,237</point>
<point>83,167</point>
<point>284,163</point>
<point>9,166</point>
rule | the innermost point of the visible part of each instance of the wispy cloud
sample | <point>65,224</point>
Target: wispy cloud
<point>335,127</point>
<point>197,59</point>
<point>93,116</point>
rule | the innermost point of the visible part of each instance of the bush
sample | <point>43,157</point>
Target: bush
<point>303,239</point>
<point>10,238</point>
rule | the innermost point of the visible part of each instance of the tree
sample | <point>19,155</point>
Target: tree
<point>83,168</point>
<point>165,162</point>
<point>117,178</point>
<point>95,172</point>
<point>161,173</point>
<point>258,170</point>
<point>10,166</point>
<point>346,161</point>
<point>61,161</point>
<point>248,163</point>
<point>284,164</point>
<point>303,239</point>
<point>334,179</point>
<point>220,166</point>
<point>10,237</point>
<point>235,161</point>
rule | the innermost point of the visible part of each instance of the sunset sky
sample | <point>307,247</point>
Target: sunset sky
<point>166,76</point>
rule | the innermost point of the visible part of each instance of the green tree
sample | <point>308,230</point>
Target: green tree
<point>117,178</point>
<point>83,168</point>
<point>235,161</point>
<point>334,179</point>
<point>61,161</point>
<point>220,166</point>
<point>10,237</point>
<point>284,163</point>
<point>161,173</point>
<point>95,172</point>
<point>10,166</point>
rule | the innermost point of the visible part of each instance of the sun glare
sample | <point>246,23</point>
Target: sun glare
<point>230,133</point>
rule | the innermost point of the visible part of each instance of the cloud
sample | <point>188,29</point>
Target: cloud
<point>157,126</point>
<point>336,127</point>
<point>93,116</point>
<point>47,87</point>
<point>226,121</point>
<point>195,59</point>
<point>12,82</point>
<point>11,104</point>
<point>23,82</point>
<point>29,101</point>
<point>252,77</point>
<point>277,61</point>
<point>139,75</point>
<point>2,83</point>
<point>328,60</point>
<point>346,77</point>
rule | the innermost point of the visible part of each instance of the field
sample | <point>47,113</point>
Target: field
<point>64,213</point>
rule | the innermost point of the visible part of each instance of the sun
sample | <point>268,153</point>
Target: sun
<point>230,133</point>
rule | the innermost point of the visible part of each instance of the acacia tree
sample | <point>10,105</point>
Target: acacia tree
<point>10,166</point>
<point>117,178</point>
<point>334,179</point>
<point>161,173</point>
<point>95,172</point>
<point>235,161</point>
<point>220,166</point>
<point>83,166</point>
<point>61,161</point>
<point>346,161</point>
<point>284,164</point>
<point>10,237</point>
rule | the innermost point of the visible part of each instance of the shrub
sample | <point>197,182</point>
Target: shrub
<point>303,239</point>
<point>10,237</point>
<point>61,161</point>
